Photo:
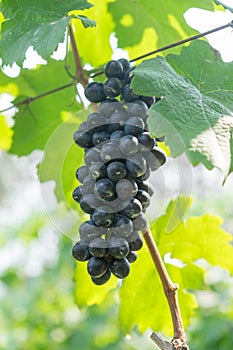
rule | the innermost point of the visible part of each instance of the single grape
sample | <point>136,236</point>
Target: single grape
<point>89,231</point>
<point>117,135</point>
<point>102,217</point>
<point>134,126</point>
<point>98,247</point>
<point>129,144</point>
<point>94,92</point>
<point>81,173</point>
<point>92,155</point>
<point>78,192</point>
<point>100,137</point>
<point>110,151</point>
<point>109,106</point>
<point>88,184</point>
<point>122,226</point>
<point>117,120</point>
<point>105,189</point>
<point>155,159</point>
<point>136,165</point>
<point>120,268</point>
<point>128,94</point>
<point>114,69</point>
<point>138,108</point>
<point>96,267</point>
<point>125,64</point>
<point>145,186</point>
<point>116,171</point>
<point>135,241</point>
<point>97,170</point>
<point>146,141</point>
<point>83,138</point>
<point>126,188</point>
<point>144,198</point>
<point>131,257</point>
<point>149,100</point>
<point>118,247</point>
<point>80,251</point>
<point>96,122</point>
<point>112,87</point>
<point>133,209</point>
<point>102,279</point>
<point>89,203</point>
<point>144,176</point>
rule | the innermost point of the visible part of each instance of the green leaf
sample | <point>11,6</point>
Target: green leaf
<point>196,112</point>
<point>199,237</point>
<point>162,20</point>
<point>41,24</point>
<point>5,134</point>
<point>143,302</point>
<point>86,292</point>
<point>142,299</point>
<point>87,22</point>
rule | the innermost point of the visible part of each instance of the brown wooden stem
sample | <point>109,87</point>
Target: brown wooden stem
<point>170,290</point>
<point>79,73</point>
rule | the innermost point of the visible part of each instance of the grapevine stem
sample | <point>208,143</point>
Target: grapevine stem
<point>77,61</point>
<point>170,290</point>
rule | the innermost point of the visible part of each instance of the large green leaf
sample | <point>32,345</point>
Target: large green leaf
<point>48,124</point>
<point>196,111</point>
<point>165,18</point>
<point>142,299</point>
<point>41,24</point>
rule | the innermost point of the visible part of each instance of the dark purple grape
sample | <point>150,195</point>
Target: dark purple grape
<point>78,193</point>
<point>118,247</point>
<point>83,138</point>
<point>98,247</point>
<point>122,226</point>
<point>112,87</point>
<point>102,279</point>
<point>110,151</point>
<point>102,217</point>
<point>134,126</point>
<point>146,141</point>
<point>133,209</point>
<point>129,144</point>
<point>88,231</point>
<point>135,241</point>
<point>105,189</point>
<point>120,268</point>
<point>92,156</point>
<point>80,251</point>
<point>138,108</point>
<point>96,122</point>
<point>94,92</point>
<point>96,267</point>
<point>128,94</point>
<point>126,188</point>
<point>100,137</point>
<point>125,64</point>
<point>109,106</point>
<point>136,165</point>
<point>145,186</point>
<point>97,170</point>
<point>144,198</point>
<point>131,257</point>
<point>117,134</point>
<point>149,100</point>
<point>114,69</point>
<point>116,171</point>
<point>89,203</point>
<point>81,173</point>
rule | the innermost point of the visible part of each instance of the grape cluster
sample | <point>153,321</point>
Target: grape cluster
<point>119,157</point>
